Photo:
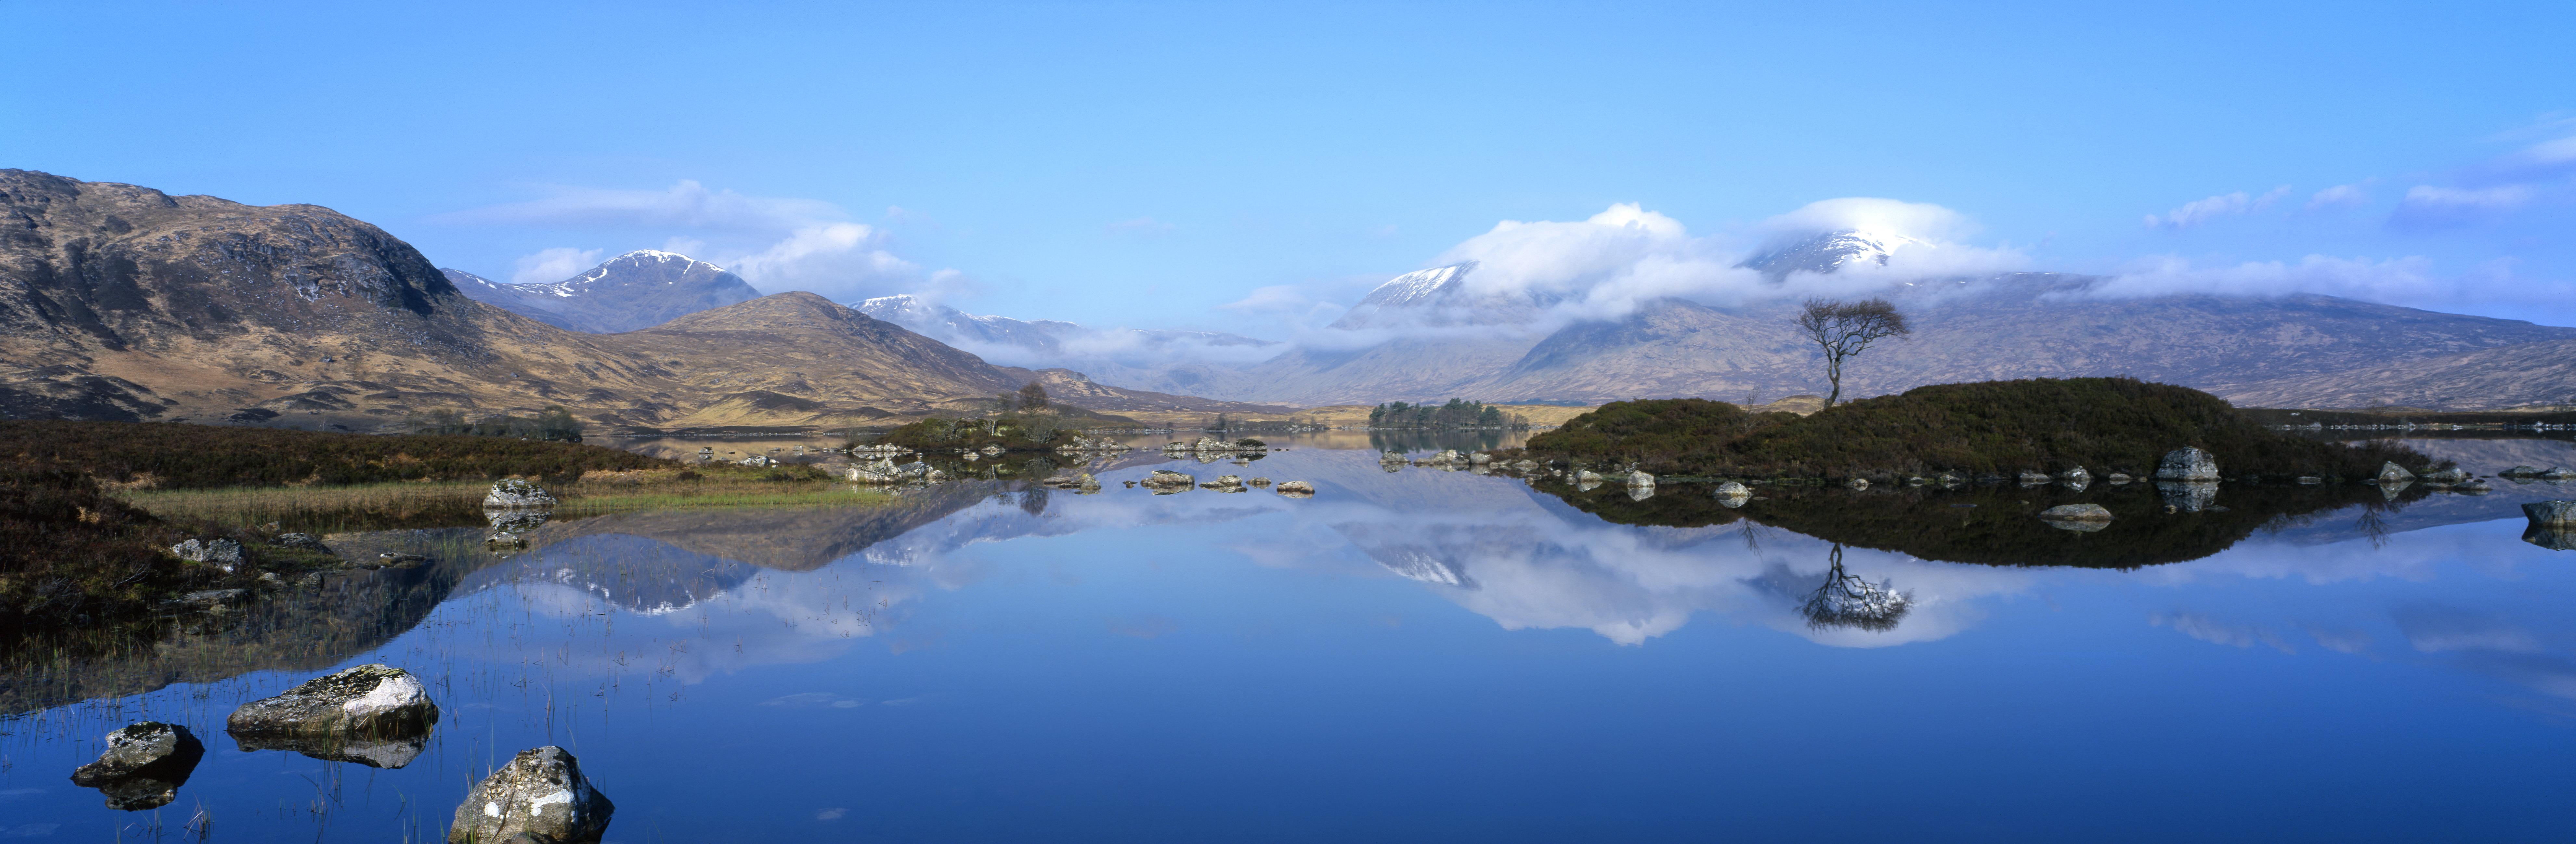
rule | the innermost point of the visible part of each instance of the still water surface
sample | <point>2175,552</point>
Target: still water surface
<point>1420,656</point>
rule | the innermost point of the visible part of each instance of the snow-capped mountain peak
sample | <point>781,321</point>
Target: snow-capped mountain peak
<point>1831,251</point>
<point>1419,286</point>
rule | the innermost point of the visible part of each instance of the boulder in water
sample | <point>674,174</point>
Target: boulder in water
<point>2077,513</point>
<point>1297,489</point>
<point>517,493</point>
<point>540,797</point>
<point>2391,473</point>
<point>369,701</point>
<point>144,765</point>
<point>2187,463</point>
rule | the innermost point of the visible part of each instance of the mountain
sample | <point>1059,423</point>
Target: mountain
<point>1424,336</point>
<point>2542,373</point>
<point>639,289</point>
<point>1827,252</point>
<point>121,302</point>
<point>1142,359</point>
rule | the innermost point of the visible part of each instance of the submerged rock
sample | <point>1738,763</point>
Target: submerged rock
<point>368,701</point>
<point>517,493</point>
<point>540,797</point>
<point>2187,463</point>
<point>144,765</point>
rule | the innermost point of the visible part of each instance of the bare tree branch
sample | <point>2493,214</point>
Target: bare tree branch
<point>1844,329</point>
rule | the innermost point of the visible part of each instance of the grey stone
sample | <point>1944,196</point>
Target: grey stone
<point>2391,473</point>
<point>2117,478</point>
<point>2076,476</point>
<point>2188,463</point>
<point>2077,513</point>
<point>221,553</point>
<point>2034,478</point>
<point>1641,479</point>
<point>1297,489</point>
<point>1732,495</point>
<point>2521,472</point>
<point>2559,513</point>
<point>517,493</point>
<point>151,749</point>
<point>368,701</point>
<point>540,795</point>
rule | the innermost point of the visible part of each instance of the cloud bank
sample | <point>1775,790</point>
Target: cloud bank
<point>776,243</point>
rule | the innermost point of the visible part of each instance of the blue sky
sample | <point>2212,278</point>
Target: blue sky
<point>1150,165</point>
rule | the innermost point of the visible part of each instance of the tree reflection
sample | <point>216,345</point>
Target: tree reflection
<point>1848,601</point>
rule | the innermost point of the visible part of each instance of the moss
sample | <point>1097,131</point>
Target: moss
<point>1989,428</point>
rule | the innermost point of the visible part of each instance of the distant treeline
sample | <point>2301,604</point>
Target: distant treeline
<point>554,424</point>
<point>1985,428</point>
<point>1458,413</point>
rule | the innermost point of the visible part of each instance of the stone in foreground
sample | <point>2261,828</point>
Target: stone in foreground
<point>517,494</point>
<point>2187,464</point>
<point>539,797</point>
<point>369,702</point>
<point>144,765</point>
<point>2561,514</point>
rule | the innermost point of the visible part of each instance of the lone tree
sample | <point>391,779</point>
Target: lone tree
<point>1844,329</point>
<point>1033,397</point>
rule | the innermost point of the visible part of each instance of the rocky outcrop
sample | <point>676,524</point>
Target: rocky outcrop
<point>221,553</point>
<point>540,797</point>
<point>2187,464</point>
<point>517,494</point>
<point>884,471</point>
<point>1225,483</point>
<point>2561,514</point>
<point>1165,481</point>
<point>144,765</point>
<point>369,701</point>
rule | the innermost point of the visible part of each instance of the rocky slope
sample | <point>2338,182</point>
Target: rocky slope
<point>121,302</point>
<point>2542,373</point>
<point>636,290</point>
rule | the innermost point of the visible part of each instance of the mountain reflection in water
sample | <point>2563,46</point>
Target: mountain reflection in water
<point>994,660</point>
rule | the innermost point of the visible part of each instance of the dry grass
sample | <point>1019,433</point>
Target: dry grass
<point>321,509</point>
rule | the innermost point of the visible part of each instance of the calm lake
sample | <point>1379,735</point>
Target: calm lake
<point>1419,655</point>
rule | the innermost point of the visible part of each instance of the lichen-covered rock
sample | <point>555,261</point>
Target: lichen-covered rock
<point>2554,513</point>
<point>517,493</point>
<point>144,766</point>
<point>541,795</point>
<point>2391,473</point>
<point>220,553</point>
<point>369,701</point>
<point>2076,513</point>
<point>166,752</point>
<point>1297,489</point>
<point>2187,463</point>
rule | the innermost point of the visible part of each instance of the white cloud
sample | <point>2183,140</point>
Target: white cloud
<point>2200,212</point>
<point>553,265</point>
<point>838,260</point>
<point>2214,631</point>
<point>2430,207</point>
<point>1918,220</point>
<point>2337,197</point>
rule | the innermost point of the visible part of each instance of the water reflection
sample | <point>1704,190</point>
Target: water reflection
<point>1843,600</point>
